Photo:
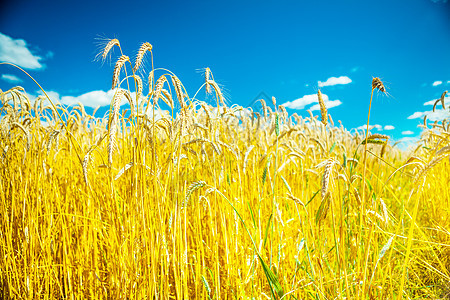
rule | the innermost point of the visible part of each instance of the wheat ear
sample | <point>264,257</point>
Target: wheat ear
<point>207,75</point>
<point>378,136</point>
<point>111,43</point>
<point>323,108</point>
<point>85,164</point>
<point>167,98</point>
<point>378,84</point>
<point>119,64</point>
<point>113,121</point>
<point>144,48</point>
<point>179,90</point>
<point>158,89</point>
<point>218,91</point>
<point>326,177</point>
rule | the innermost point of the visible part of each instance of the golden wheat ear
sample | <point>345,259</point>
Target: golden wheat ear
<point>207,76</point>
<point>109,46</point>
<point>323,108</point>
<point>144,48</point>
<point>119,64</point>
<point>179,90</point>
<point>378,84</point>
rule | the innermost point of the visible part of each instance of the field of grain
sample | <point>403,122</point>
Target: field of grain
<point>206,201</point>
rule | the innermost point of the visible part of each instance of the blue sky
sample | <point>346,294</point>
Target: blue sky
<point>286,49</point>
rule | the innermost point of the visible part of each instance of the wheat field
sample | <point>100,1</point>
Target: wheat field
<point>177,198</point>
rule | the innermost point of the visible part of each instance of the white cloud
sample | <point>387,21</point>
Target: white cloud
<point>418,114</point>
<point>328,104</point>
<point>364,127</point>
<point>89,99</point>
<point>407,142</point>
<point>11,78</point>
<point>436,83</point>
<point>54,96</point>
<point>335,80</point>
<point>16,51</point>
<point>438,115</point>
<point>302,102</point>
<point>407,132</point>
<point>431,102</point>
<point>378,127</point>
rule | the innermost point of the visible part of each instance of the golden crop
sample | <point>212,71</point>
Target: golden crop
<point>214,202</point>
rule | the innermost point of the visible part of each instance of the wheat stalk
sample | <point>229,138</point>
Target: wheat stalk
<point>140,87</point>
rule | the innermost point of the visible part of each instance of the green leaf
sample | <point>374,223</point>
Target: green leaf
<point>266,169</point>
<point>251,212</point>
<point>273,280</point>
<point>345,160</point>
<point>277,125</point>
<point>267,230</point>
<point>300,246</point>
<point>385,248</point>
<point>208,289</point>
<point>332,147</point>
<point>264,176</point>
<point>323,208</point>
<point>315,194</point>
<point>286,184</point>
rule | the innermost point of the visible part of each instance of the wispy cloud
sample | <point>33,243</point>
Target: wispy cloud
<point>437,115</point>
<point>92,99</point>
<point>378,127</point>
<point>334,81</point>
<point>302,102</point>
<point>11,78</point>
<point>436,83</point>
<point>407,132</point>
<point>407,142</point>
<point>431,102</point>
<point>364,127</point>
<point>17,51</point>
<point>89,99</point>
